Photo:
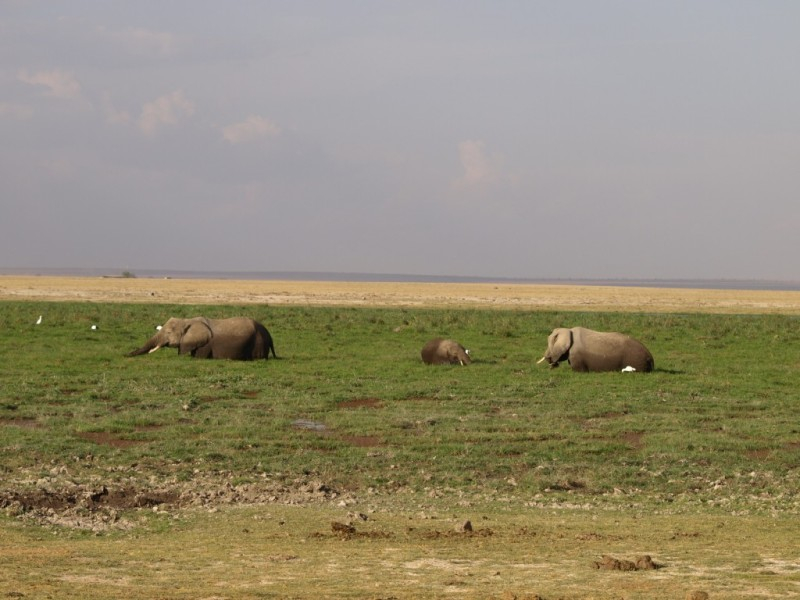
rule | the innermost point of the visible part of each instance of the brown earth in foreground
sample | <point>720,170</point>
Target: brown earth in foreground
<point>336,293</point>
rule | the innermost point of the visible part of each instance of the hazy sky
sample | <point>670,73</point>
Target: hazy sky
<point>614,138</point>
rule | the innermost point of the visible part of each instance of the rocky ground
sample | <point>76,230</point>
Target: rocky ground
<point>50,495</point>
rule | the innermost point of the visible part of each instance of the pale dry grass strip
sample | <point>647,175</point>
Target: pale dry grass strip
<point>406,294</point>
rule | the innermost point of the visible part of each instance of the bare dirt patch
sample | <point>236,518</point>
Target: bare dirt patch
<point>633,439</point>
<point>24,422</point>
<point>106,439</point>
<point>361,403</point>
<point>338,293</point>
<point>362,441</point>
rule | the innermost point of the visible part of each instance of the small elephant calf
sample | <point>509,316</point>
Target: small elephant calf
<point>445,352</point>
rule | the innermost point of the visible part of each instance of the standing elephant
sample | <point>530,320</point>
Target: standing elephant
<point>587,350</point>
<point>237,338</point>
<point>443,352</point>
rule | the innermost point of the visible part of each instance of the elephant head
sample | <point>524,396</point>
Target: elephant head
<point>441,352</point>
<point>588,350</point>
<point>558,344</point>
<point>187,335</point>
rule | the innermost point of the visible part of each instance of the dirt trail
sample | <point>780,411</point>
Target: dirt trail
<point>327,293</point>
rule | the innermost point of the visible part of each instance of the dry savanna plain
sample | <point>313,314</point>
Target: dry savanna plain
<point>100,525</point>
<point>338,293</point>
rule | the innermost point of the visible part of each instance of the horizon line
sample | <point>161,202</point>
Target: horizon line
<point>355,276</point>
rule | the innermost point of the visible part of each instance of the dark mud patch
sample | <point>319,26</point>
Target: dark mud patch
<point>761,454</point>
<point>362,441</point>
<point>24,422</point>
<point>634,439</point>
<point>361,403</point>
<point>102,438</point>
<point>89,499</point>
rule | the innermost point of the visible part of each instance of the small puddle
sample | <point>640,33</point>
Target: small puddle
<point>309,425</point>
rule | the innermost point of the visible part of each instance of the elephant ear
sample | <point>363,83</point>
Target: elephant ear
<point>196,335</point>
<point>559,344</point>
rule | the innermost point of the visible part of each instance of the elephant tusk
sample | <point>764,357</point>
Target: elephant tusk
<point>540,360</point>
<point>153,350</point>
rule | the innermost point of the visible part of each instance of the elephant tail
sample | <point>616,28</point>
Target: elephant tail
<point>264,342</point>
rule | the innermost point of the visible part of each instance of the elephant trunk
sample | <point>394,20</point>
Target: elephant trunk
<point>553,363</point>
<point>151,346</point>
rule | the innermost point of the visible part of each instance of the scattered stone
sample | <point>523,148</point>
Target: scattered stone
<point>609,563</point>
<point>645,563</point>
<point>343,528</point>
<point>57,500</point>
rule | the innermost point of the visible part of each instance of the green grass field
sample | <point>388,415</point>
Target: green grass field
<point>165,477</point>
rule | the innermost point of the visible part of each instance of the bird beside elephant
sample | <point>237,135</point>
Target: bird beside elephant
<point>443,352</point>
<point>235,338</point>
<point>589,350</point>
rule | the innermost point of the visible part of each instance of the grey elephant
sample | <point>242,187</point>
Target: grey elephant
<point>443,352</point>
<point>588,350</point>
<point>236,338</point>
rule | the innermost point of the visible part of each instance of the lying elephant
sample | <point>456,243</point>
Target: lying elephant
<point>237,338</point>
<point>587,350</point>
<point>443,352</point>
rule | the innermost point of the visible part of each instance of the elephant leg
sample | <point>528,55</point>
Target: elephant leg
<point>579,365</point>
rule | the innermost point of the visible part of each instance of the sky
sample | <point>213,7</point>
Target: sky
<point>636,139</point>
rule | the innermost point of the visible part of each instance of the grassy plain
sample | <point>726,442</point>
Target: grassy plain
<point>347,468</point>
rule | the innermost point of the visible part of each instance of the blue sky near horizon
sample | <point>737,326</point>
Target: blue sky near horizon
<point>574,139</point>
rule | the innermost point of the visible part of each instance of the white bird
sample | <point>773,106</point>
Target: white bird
<point>94,326</point>
<point>628,369</point>
<point>39,320</point>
